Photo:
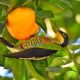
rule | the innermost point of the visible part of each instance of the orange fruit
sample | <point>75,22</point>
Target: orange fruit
<point>21,23</point>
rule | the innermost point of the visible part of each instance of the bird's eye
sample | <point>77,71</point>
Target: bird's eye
<point>64,35</point>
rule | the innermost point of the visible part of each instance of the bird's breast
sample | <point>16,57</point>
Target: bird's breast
<point>33,41</point>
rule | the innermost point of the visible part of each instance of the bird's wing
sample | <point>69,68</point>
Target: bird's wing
<point>32,53</point>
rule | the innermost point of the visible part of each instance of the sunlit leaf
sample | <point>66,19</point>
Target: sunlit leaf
<point>51,46</point>
<point>58,61</point>
<point>71,75</point>
<point>21,70</point>
<point>3,50</point>
<point>66,69</point>
<point>53,8</point>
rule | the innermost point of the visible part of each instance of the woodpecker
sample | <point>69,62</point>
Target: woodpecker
<point>28,49</point>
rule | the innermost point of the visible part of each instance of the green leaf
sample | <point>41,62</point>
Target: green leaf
<point>4,12</point>
<point>33,71</point>
<point>54,69</point>
<point>12,5</point>
<point>15,3</point>
<point>26,2</point>
<point>8,63</point>
<point>0,12</point>
<point>60,58</point>
<point>8,37</point>
<point>45,14</point>
<point>18,68</point>
<point>53,8</point>
<point>51,46</point>
<point>5,78</point>
<point>2,19</point>
<point>74,47</point>
<point>66,69</point>
<point>40,21</point>
<point>40,67</point>
<point>58,61</point>
<point>20,2</point>
<point>5,3</point>
<point>63,52</point>
<point>71,75</point>
<point>67,2</point>
<point>3,50</point>
<point>58,69</point>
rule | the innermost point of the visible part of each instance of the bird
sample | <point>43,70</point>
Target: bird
<point>29,49</point>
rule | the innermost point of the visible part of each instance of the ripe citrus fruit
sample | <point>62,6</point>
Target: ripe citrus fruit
<point>21,23</point>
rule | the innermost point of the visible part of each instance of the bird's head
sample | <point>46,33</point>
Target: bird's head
<point>61,38</point>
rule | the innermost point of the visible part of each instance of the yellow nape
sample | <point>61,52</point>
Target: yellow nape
<point>59,38</point>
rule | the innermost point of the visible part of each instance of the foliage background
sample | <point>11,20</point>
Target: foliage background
<point>65,64</point>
